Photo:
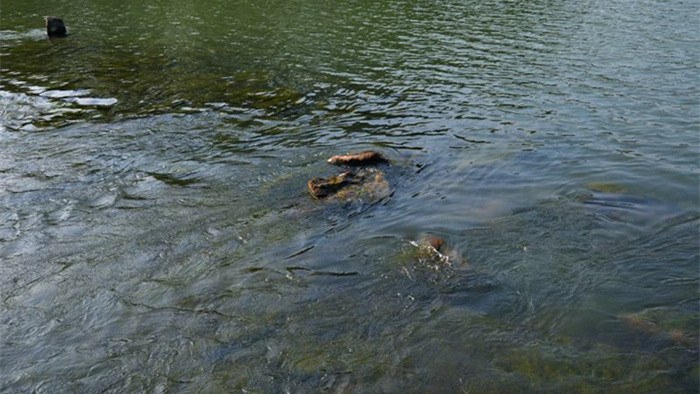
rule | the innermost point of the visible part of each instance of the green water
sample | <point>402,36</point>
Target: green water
<point>156,233</point>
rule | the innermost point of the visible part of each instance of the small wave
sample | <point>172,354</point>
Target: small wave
<point>65,93</point>
<point>94,102</point>
<point>10,35</point>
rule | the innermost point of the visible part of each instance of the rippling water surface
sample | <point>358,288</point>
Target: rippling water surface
<point>156,233</point>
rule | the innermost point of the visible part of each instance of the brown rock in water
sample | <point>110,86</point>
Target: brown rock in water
<point>432,241</point>
<point>55,27</point>
<point>358,159</point>
<point>351,185</point>
<point>432,251</point>
<point>324,187</point>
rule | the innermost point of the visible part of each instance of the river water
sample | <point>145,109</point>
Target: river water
<point>156,233</point>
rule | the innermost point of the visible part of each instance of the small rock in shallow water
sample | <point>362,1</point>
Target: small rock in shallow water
<point>432,241</point>
<point>358,159</point>
<point>350,185</point>
<point>55,27</point>
<point>324,187</point>
<point>432,252</point>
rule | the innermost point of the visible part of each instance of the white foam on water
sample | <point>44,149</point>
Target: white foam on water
<point>94,102</point>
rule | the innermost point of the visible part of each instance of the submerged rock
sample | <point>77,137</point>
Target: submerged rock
<point>350,185</point>
<point>55,27</point>
<point>358,159</point>
<point>607,188</point>
<point>674,324</point>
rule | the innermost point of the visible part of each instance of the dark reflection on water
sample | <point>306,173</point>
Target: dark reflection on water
<point>156,233</point>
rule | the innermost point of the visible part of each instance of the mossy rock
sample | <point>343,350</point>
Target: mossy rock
<point>587,371</point>
<point>351,186</point>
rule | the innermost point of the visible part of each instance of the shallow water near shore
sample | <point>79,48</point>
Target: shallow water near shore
<point>156,233</point>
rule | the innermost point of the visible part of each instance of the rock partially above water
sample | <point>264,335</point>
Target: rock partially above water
<point>55,27</point>
<point>358,159</point>
<point>432,241</point>
<point>350,185</point>
<point>431,252</point>
<point>324,187</point>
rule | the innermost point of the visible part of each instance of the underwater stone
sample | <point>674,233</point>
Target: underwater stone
<point>358,159</point>
<point>607,188</point>
<point>55,27</point>
<point>680,326</point>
